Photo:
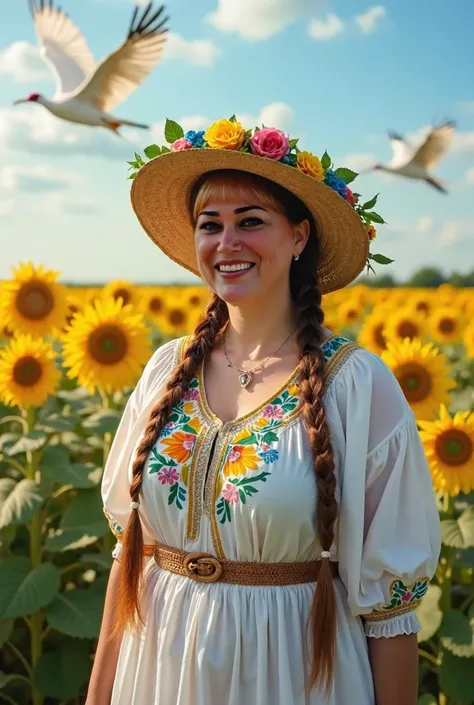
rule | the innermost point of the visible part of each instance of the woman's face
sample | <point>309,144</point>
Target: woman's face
<point>244,248</point>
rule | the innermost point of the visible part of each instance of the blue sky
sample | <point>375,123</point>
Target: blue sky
<point>335,74</point>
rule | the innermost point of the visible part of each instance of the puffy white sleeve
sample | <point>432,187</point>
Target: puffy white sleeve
<point>388,537</point>
<point>118,469</point>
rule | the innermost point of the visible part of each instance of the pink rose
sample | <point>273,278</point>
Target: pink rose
<point>180,145</point>
<point>270,142</point>
<point>350,196</point>
<point>231,493</point>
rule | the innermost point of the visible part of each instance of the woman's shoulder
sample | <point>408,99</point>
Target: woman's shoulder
<point>159,367</point>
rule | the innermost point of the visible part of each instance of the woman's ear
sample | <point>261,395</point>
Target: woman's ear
<point>301,235</point>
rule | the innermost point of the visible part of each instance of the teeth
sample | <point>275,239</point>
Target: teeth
<point>234,267</point>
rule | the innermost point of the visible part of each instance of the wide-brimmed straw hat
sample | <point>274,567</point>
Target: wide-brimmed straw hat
<point>161,193</point>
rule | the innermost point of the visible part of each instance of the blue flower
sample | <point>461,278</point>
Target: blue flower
<point>334,182</point>
<point>196,138</point>
<point>269,456</point>
<point>289,159</point>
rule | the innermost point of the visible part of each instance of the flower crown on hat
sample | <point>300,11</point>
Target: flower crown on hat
<point>270,143</point>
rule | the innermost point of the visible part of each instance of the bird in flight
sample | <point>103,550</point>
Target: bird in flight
<point>87,92</point>
<point>417,163</point>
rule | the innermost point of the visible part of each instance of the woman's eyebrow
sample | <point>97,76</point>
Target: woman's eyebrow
<point>242,209</point>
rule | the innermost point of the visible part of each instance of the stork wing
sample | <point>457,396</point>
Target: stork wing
<point>123,70</point>
<point>402,152</point>
<point>62,46</point>
<point>434,146</point>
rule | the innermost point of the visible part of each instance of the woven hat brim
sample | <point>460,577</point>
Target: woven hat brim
<point>160,197</point>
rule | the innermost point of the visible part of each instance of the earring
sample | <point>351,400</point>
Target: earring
<point>296,258</point>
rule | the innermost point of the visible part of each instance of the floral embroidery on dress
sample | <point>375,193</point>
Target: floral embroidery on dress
<point>251,447</point>
<point>178,438</point>
<point>115,527</point>
<point>403,598</point>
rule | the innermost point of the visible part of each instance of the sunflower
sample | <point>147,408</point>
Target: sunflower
<point>106,346</point>
<point>196,297</point>
<point>33,302</point>
<point>422,372</point>
<point>174,320</point>
<point>121,289</point>
<point>75,304</point>
<point>449,447</point>
<point>28,374</point>
<point>152,302</point>
<point>404,323</point>
<point>446,324</point>
<point>422,302</point>
<point>371,335</point>
<point>349,312</point>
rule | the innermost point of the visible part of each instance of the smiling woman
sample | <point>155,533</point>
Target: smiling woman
<point>244,445</point>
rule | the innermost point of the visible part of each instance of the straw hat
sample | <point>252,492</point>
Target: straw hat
<point>161,193</point>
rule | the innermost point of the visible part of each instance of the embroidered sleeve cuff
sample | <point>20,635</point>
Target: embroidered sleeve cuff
<point>402,600</point>
<point>402,624</point>
<point>115,528</point>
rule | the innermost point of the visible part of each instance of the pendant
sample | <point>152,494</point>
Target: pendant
<point>245,379</point>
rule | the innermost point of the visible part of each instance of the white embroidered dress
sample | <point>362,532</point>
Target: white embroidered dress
<point>245,491</point>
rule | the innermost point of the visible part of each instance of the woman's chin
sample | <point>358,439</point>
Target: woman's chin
<point>235,294</point>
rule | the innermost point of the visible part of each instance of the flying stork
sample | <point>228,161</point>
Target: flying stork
<point>87,92</point>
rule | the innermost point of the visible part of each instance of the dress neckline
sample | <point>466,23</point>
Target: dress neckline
<point>206,409</point>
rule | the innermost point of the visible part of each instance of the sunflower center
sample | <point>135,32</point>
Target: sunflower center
<point>351,314</point>
<point>415,381</point>
<point>176,317</point>
<point>378,335</point>
<point>35,300</point>
<point>155,304</point>
<point>123,294</point>
<point>107,345</point>
<point>194,300</point>
<point>27,371</point>
<point>454,447</point>
<point>447,325</point>
<point>423,306</point>
<point>407,329</point>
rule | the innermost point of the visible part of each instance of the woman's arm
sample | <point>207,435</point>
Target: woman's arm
<point>106,656</point>
<point>394,664</point>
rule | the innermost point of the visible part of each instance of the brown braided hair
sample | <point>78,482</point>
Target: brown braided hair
<point>310,317</point>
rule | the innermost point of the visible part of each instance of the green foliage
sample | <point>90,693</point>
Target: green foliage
<point>173,131</point>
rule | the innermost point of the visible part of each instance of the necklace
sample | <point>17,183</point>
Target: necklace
<point>246,375</point>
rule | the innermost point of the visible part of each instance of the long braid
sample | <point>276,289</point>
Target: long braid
<point>132,552</point>
<point>322,620</point>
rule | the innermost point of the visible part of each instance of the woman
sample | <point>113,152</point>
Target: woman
<point>267,476</point>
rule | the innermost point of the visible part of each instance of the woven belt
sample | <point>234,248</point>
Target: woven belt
<point>205,568</point>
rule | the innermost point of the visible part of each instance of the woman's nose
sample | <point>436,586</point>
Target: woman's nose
<point>229,241</point>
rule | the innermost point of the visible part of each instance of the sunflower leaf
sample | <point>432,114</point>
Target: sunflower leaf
<point>19,501</point>
<point>30,442</point>
<point>459,533</point>
<point>102,422</point>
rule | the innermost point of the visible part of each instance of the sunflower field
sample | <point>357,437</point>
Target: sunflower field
<point>69,357</point>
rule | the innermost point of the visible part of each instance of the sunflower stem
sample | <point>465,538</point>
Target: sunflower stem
<point>11,419</point>
<point>36,620</point>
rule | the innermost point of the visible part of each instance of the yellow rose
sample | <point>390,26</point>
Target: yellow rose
<point>309,164</point>
<point>225,134</point>
<point>371,232</point>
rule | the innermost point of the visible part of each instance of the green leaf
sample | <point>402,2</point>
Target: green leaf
<point>466,557</point>
<point>24,590</point>
<point>165,150</point>
<point>28,443</point>
<point>374,217</point>
<point>6,630</point>
<point>370,204</point>
<point>455,677</point>
<point>57,467</point>
<point>152,151</point>
<point>101,560</point>
<point>173,131</point>
<point>347,174</point>
<point>429,613</point>
<point>76,613</point>
<point>82,524</point>
<point>459,533</point>
<point>232,118</point>
<point>457,634</point>
<point>58,423</point>
<point>381,259</point>
<point>293,143</point>
<point>326,161</point>
<point>60,674</point>
<point>19,501</point>
<point>103,422</point>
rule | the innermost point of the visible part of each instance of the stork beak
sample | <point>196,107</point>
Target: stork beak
<point>21,100</point>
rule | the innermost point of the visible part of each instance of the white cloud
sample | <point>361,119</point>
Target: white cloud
<point>470,176</point>
<point>35,179</point>
<point>467,105</point>
<point>21,61</point>
<point>7,206</point>
<point>327,28</point>
<point>201,52</point>
<point>369,20</point>
<point>463,143</point>
<point>33,130</point>
<point>358,161</point>
<point>259,19</point>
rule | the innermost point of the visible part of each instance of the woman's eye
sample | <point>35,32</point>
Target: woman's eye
<point>251,222</point>
<point>210,226</point>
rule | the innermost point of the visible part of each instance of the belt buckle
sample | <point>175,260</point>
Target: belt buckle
<point>202,567</point>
